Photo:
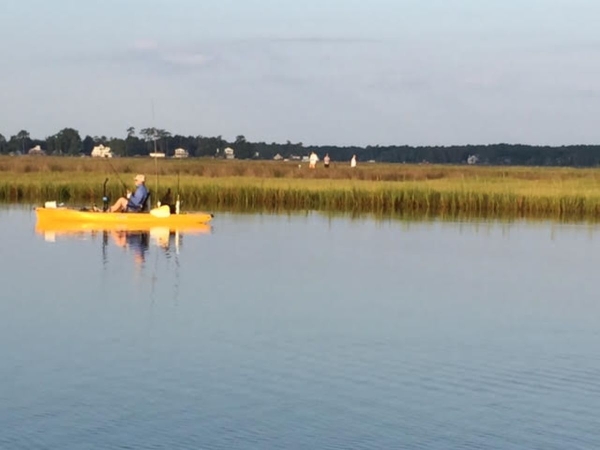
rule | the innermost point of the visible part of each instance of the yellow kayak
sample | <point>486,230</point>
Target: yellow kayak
<point>158,217</point>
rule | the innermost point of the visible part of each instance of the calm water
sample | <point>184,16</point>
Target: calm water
<point>301,332</point>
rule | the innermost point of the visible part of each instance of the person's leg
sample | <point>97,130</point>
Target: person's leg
<point>120,205</point>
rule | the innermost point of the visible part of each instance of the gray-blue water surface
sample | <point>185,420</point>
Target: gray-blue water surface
<point>300,332</point>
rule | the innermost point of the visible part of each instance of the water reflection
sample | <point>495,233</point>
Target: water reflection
<point>136,241</point>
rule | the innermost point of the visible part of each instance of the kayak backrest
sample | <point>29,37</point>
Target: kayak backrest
<point>147,203</point>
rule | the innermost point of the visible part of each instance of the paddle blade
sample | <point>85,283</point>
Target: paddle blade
<point>161,211</point>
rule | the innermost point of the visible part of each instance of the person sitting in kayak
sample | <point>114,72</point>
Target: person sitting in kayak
<point>133,202</point>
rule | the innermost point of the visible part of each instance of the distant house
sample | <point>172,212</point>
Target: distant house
<point>156,155</point>
<point>277,157</point>
<point>181,153</point>
<point>472,159</point>
<point>100,151</point>
<point>36,151</point>
<point>229,153</point>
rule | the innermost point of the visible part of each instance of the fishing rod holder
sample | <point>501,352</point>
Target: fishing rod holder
<point>105,198</point>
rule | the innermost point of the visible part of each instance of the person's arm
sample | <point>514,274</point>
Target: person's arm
<point>137,198</point>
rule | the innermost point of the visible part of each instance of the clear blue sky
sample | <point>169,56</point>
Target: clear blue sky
<point>416,72</point>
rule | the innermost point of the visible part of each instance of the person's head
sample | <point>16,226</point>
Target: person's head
<point>139,179</point>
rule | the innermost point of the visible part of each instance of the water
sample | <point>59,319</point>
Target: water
<point>301,332</point>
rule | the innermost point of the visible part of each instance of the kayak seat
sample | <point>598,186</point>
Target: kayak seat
<point>147,203</point>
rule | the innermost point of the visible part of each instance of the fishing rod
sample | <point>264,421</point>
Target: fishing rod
<point>154,137</point>
<point>156,169</point>
<point>177,203</point>
<point>117,174</point>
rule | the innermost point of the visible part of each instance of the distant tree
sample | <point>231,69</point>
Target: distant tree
<point>88,144</point>
<point>207,146</point>
<point>67,141</point>
<point>243,149</point>
<point>136,146</point>
<point>52,147</point>
<point>117,146</point>
<point>163,136</point>
<point>2,144</point>
<point>150,135</point>
<point>23,136</point>
<point>129,138</point>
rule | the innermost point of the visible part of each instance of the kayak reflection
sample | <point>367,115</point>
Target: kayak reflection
<point>133,239</point>
<point>136,241</point>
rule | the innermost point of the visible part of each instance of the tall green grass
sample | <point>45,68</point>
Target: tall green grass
<point>567,194</point>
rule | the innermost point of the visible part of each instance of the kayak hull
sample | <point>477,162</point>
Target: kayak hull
<point>67,215</point>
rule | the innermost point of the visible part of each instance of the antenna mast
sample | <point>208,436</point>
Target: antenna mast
<point>154,132</point>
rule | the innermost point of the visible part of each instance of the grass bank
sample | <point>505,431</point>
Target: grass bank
<point>561,193</point>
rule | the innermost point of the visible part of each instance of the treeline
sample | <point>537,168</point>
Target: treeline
<point>69,142</point>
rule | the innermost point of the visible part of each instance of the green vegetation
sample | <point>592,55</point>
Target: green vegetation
<point>561,193</point>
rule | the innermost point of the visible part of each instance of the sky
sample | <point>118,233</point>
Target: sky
<point>320,72</point>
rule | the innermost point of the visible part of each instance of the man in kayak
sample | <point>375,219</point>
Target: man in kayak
<point>133,202</point>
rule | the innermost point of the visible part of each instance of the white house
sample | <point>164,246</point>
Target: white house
<point>37,150</point>
<point>229,153</point>
<point>181,153</point>
<point>472,159</point>
<point>277,157</point>
<point>100,151</point>
<point>156,155</point>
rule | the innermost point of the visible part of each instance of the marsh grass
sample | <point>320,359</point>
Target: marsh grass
<point>563,193</point>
